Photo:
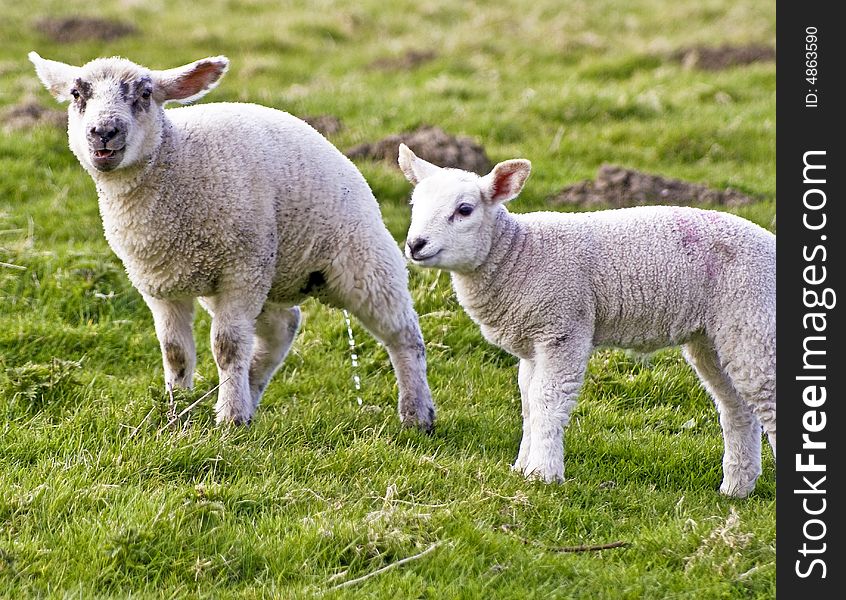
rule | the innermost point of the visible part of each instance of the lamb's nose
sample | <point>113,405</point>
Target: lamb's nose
<point>104,133</point>
<point>416,245</point>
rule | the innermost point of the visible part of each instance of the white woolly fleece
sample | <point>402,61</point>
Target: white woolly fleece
<point>244,207</point>
<point>550,287</point>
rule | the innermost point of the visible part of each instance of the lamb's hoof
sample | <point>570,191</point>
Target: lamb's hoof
<point>234,410</point>
<point>424,420</point>
<point>735,489</point>
<point>547,475</point>
<point>232,417</point>
<point>519,465</point>
<point>235,422</point>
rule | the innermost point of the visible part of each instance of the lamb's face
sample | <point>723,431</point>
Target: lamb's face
<point>454,212</point>
<point>451,222</point>
<point>112,116</point>
<point>115,115</point>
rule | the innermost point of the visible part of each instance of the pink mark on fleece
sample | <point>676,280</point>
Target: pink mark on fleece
<point>688,229</point>
<point>691,239</point>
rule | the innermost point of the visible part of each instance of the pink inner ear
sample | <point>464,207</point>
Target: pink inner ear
<point>502,183</point>
<point>195,81</point>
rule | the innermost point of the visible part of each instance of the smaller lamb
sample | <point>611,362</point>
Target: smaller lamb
<point>243,207</point>
<point>550,287</point>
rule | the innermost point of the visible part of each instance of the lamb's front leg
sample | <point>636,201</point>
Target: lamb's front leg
<point>524,377</point>
<point>232,344</point>
<point>173,320</point>
<point>554,387</point>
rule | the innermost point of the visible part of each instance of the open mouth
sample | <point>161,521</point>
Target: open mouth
<point>106,159</point>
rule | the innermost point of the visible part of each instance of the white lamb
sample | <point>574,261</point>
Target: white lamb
<point>245,207</point>
<point>550,287</point>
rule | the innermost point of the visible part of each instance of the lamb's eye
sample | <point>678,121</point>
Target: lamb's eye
<point>464,210</point>
<point>146,94</point>
<point>75,93</point>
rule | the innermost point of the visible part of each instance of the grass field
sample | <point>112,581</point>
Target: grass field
<point>100,498</point>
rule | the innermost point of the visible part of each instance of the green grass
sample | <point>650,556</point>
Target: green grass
<point>99,498</point>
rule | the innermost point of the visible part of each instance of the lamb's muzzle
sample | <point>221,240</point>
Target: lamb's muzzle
<point>414,250</point>
<point>107,142</point>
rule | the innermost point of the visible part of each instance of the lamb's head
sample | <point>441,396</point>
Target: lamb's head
<point>453,212</point>
<point>115,114</point>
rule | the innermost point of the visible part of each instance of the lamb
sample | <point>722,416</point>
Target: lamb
<point>246,208</point>
<point>550,287</point>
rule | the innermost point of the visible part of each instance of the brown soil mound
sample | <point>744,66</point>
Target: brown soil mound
<point>617,187</point>
<point>76,29</point>
<point>723,57</point>
<point>429,143</point>
<point>325,124</point>
<point>30,114</point>
<point>405,62</point>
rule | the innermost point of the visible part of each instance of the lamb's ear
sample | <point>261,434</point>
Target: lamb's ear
<point>415,168</point>
<point>190,82</point>
<point>506,180</point>
<point>57,77</point>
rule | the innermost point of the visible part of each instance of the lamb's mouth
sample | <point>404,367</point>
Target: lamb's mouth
<point>106,159</point>
<point>423,260</point>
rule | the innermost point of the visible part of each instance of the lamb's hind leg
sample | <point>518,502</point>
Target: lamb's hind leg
<point>378,295</point>
<point>741,429</point>
<point>276,328</point>
<point>751,367</point>
<point>400,333</point>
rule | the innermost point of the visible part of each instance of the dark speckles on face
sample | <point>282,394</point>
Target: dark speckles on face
<point>137,93</point>
<point>84,88</point>
<point>81,93</point>
<point>142,91</point>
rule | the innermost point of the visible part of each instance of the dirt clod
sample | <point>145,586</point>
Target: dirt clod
<point>29,114</point>
<point>77,29</point>
<point>429,143</point>
<point>404,62</point>
<point>325,124</point>
<point>723,57</point>
<point>616,187</point>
